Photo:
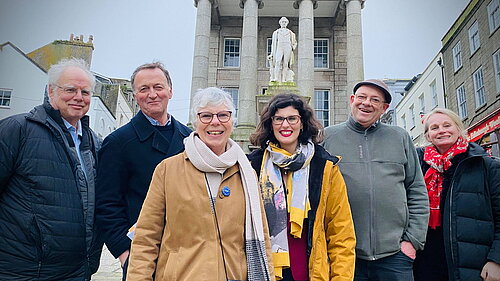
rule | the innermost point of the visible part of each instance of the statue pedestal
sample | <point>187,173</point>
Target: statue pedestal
<point>274,89</point>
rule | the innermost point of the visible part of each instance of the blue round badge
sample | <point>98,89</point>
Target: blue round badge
<point>226,191</point>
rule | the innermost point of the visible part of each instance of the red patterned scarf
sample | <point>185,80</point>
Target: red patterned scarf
<point>434,176</point>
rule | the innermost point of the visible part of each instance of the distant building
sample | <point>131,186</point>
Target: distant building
<point>471,55</point>
<point>397,89</point>
<point>233,40</point>
<point>59,49</point>
<point>422,94</point>
<point>23,81</point>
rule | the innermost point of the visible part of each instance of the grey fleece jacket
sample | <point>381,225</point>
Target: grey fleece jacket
<point>385,185</point>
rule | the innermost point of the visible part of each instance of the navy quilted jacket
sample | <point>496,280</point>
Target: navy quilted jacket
<point>46,202</point>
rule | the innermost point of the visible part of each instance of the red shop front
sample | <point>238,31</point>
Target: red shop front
<point>487,133</point>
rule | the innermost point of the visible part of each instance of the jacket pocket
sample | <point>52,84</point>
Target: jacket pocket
<point>36,235</point>
<point>170,271</point>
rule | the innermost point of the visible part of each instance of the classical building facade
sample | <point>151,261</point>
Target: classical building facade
<point>233,40</point>
<point>471,55</point>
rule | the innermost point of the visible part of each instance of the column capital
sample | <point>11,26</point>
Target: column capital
<point>362,2</point>
<point>260,3</point>
<point>296,3</point>
<point>215,3</point>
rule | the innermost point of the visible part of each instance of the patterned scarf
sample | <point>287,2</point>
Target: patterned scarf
<point>205,160</point>
<point>439,163</point>
<point>274,160</point>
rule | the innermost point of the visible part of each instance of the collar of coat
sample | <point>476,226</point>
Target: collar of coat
<point>145,130</point>
<point>355,126</point>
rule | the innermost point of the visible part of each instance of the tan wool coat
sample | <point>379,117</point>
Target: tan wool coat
<point>176,236</point>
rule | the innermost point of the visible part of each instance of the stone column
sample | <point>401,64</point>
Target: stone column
<point>355,71</point>
<point>201,46</point>
<point>248,67</point>
<point>305,49</point>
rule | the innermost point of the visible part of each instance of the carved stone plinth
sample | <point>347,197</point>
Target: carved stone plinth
<point>274,89</point>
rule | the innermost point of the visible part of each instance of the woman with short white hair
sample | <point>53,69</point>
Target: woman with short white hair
<point>203,218</point>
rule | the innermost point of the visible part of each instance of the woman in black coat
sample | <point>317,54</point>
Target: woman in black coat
<point>463,183</point>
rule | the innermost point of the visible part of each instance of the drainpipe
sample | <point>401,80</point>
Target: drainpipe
<point>441,65</point>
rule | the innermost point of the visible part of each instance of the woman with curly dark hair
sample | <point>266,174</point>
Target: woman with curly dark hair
<point>304,194</point>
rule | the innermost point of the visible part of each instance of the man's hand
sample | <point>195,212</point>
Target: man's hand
<point>408,249</point>
<point>491,271</point>
<point>123,257</point>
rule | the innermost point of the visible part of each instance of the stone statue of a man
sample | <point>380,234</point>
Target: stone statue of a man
<point>281,57</point>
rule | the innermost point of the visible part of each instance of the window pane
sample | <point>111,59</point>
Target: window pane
<point>321,53</point>
<point>232,52</point>
<point>479,87</point>
<point>321,106</point>
<point>5,96</point>
<point>474,38</point>
<point>234,94</point>
<point>496,64</point>
<point>461,100</point>
<point>494,15</point>
<point>457,56</point>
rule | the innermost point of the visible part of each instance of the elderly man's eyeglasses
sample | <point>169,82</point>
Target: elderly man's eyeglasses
<point>292,119</point>
<point>206,117</point>
<point>373,100</point>
<point>72,91</point>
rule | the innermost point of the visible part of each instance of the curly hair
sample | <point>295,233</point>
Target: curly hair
<point>311,126</point>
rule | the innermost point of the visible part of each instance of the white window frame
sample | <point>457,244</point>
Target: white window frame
<point>479,90</point>
<point>321,54</point>
<point>421,101</point>
<point>474,40</point>
<point>234,92</point>
<point>494,15</point>
<point>403,121</point>
<point>322,106</point>
<point>434,93</point>
<point>457,56</point>
<point>5,101</point>
<point>461,102</point>
<point>496,66</point>
<point>226,40</point>
<point>412,116</point>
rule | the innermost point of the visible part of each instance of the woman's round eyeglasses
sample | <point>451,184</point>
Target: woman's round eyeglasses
<point>206,117</point>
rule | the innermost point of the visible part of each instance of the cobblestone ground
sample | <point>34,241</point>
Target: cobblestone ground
<point>109,270</point>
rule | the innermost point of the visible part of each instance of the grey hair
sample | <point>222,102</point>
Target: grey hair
<point>453,116</point>
<point>57,69</point>
<point>152,65</point>
<point>211,96</point>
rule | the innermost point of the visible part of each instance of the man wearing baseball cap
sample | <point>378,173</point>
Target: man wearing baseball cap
<point>384,182</point>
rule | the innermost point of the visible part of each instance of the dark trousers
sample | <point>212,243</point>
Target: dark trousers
<point>124,269</point>
<point>397,267</point>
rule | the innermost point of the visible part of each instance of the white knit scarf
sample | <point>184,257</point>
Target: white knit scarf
<point>205,160</point>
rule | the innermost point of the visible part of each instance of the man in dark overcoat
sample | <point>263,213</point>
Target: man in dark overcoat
<point>130,154</point>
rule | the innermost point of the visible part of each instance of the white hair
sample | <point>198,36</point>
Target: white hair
<point>211,96</point>
<point>57,69</point>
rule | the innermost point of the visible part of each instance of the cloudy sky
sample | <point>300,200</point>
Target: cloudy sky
<point>400,37</point>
